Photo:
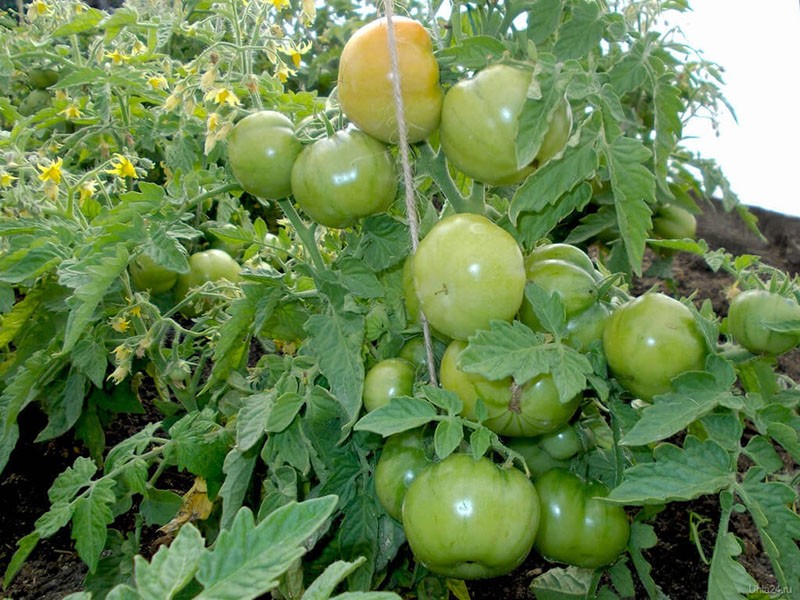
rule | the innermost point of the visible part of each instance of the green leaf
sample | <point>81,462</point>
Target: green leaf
<point>284,411</point>
<point>91,279</point>
<point>366,596</point>
<point>199,444</point>
<point>633,186</point>
<point>473,53</point>
<point>763,454</point>
<point>563,584</point>
<point>247,559</point>
<point>513,350</point>
<point>251,421</point>
<point>238,469</point>
<point>480,440</point>
<point>335,341</point>
<point>547,19</point>
<point>25,546</point>
<point>447,436</point>
<point>172,567</point>
<point>787,437</point>
<point>64,409</point>
<point>92,515</point>
<point>694,395</point>
<point>643,537</point>
<point>358,278</point>
<point>400,414</point>
<point>770,505</point>
<point>91,359</point>
<point>549,308</point>
<point>335,573</point>
<point>358,536</point>
<point>384,241</point>
<point>158,507</point>
<point>726,577</point>
<point>541,191</point>
<point>72,480</point>
<point>578,37</point>
<point>444,399</point>
<point>697,469</point>
<point>533,226</point>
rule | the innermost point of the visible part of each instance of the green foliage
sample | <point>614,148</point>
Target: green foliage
<point>255,405</point>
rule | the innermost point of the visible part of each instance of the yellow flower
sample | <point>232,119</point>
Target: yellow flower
<point>138,47</point>
<point>86,190</point>
<point>222,95</point>
<point>120,324</point>
<point>157,82</point>
<point>136,311</point>
<point>116,57</point>
<point>51,172</point>
<point>40,7</point>
<point>172,102</point>
<point>212,123</point>
<point>279,4</point>
<point>6,179</point>
<point>284,72</point>
<point>296,53</point>
<point>119,374</point>
<point>121,353</point>
<point>122,167</point>
<point>208,78</point>
<point>72,112</point>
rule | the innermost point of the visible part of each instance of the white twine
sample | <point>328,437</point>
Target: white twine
<point>408,176</point>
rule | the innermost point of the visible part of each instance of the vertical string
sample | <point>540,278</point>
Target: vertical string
<point>408,176</point>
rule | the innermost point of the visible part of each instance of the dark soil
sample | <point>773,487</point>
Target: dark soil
<point>54,570</point>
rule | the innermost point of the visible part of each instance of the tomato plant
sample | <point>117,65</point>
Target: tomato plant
<point>148,275</point>
<point>577,527</point>
<point>386,379</point>
<point>467,272</point>
<point>342,178</point>
<point>650,340</point>
<point>480,124</point>
<point>402,459</point>
<point>470,519</point>
<point>366,89</point>
<point>262,148</point>
<point>749,315</point>
<point>529,409</point>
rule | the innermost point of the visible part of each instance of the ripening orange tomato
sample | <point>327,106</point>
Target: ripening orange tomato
<point>366,92</point>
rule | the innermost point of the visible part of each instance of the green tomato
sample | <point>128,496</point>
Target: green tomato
<point>43,77</point>
<point>516,411</point>
<point>576,287</point>
<point>751,311</point>
<point>561,444</point>
<point>414,352</point>
<point>587,327</point>
<point>402,459</point>
<point>672,222</point>
<point>577,527</point>
<point>537,460</point>
<point>470,519</point>
<point>148,275</point>
<point>387,379</point>
<point>342,178</point>
<point>480,123</point>
<point>651,339</point>
<point>262,149</point>
<point>468,272</point>
<point>559,251</point>
<point>205,266</point>
<point>35,101</point>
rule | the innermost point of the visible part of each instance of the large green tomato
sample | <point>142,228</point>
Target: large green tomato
<point>148,275</point>
<point>467,272</point>
<point>366,84</point>
<point>531,409</point>
<point>388,379</point>
<point>262,148</point>
<point>205,266</point>
<point>587,327</point>
<point>470,519</point>
<point>576,287</point>
<point>577,527</point>
<point>480,123</point>
<point>402,459</point>
<point>339,179</point>
<point>650,340</point>
<point>748,315</point>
